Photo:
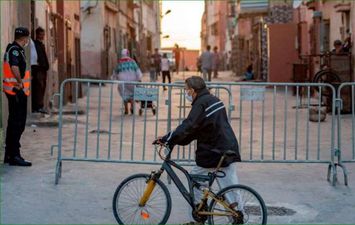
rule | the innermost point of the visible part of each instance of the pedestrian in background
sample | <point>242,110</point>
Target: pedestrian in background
<point>165,68</point>
<point>127,70</point>
<point>198,65</point>
<point>39,68</point>
<point>206,59</point>
<point>249,74</point>
<point>216,62</point>
<point>157,61</point>
<point>152,69</point>
<point>338,47</point>
<point>176,52</point>
<point>347,42</point>
<point>16,85</point>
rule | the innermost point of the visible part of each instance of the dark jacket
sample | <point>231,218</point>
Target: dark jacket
<point>207,123</point>
<point>17,57</point>
<point>42,55</point>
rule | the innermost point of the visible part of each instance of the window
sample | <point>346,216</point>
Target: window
<point>214,29</point>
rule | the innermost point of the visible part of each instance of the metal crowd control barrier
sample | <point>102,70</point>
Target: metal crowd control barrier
<point>271,121</point>
<point>283,123</point>
<point>105,134</point>
<point>346,126</point>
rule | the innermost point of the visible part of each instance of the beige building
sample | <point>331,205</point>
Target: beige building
<point>61,22</point>
<point>99,21</point>
<point>111,25</point>
<point>149,16</point>
<point>11,17</point>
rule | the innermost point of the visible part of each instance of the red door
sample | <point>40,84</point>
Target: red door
<point>282,51</point>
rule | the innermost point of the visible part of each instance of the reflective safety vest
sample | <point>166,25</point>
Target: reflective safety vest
<point>9,81</point>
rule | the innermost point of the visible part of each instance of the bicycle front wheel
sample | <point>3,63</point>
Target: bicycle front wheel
<point>127,201</point>
<point>244,201</point>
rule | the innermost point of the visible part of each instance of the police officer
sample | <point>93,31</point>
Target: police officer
<point>16,84</point>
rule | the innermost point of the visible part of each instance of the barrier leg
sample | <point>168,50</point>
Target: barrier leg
<point>332,174</point>
<point>52,149</point>
<point>345,173</point>
<point>58,172</point>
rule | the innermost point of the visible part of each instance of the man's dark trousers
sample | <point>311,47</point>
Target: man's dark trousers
<point>15,124</point>
<point>39,80</point>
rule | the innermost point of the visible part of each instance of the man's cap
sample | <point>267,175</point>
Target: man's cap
<point>338,42</point>
<point>22,32</point>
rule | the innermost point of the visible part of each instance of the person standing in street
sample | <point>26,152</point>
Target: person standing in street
<point>165,68</point>
<point>215,62</point>
<point>16,85</point>
<point>176,52</point>
<point>39,72</point>
<point>338,47</point>
<point>152,69</point>
<point>347,42</point>
<point>157,61</point>
<point>127,70</point>
<point>206,59</point>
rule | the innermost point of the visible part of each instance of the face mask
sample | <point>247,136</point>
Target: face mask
<point>26,44</point>
<point>188,97</point>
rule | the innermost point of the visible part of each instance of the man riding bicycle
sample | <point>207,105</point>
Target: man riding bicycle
<point>207,123</point>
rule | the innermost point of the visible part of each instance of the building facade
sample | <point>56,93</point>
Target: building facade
<point>111,25</point>
<point>61,21</point>
<point>214,30</point>
<point>248,27</point>
<point>320,23</point>
<point>99,38</point>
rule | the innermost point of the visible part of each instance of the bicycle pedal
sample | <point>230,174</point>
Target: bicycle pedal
<point>233,205</point>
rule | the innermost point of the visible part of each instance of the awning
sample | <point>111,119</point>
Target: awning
<point>254,6</point>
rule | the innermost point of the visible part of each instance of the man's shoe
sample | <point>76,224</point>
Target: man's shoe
<point>18,161</point>
<point>193,223</point>
<point>43,111</point>
<point>6,158</point>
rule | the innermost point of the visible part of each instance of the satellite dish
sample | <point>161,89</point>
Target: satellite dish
<point>297,3</point>
<point>87,7</point>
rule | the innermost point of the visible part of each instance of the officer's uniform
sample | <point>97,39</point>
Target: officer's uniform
<point>17,99</point>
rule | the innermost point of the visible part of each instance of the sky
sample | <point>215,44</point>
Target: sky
<point>183,24</point>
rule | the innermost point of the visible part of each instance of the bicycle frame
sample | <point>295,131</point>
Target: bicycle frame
<point>188,194</point>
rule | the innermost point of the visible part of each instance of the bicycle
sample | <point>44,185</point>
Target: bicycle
<point>144,198</point>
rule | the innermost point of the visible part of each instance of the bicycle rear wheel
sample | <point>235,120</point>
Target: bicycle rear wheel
<point>248,204</point>
<point>128,195</point>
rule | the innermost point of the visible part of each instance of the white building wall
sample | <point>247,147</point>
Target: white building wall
<point>352,19</point>
<point>329,13</point>
<point>42,10</point>
<point>92,25</point>
<point>7,27</point>
<point>150,22</point>
<point>211,19</point>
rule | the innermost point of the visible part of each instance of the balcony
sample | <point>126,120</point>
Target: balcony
<point>343,7</point>
<point>111,5</point>
<point>311,4</point>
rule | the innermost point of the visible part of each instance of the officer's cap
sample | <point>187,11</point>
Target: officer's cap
<point>21,32</point>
